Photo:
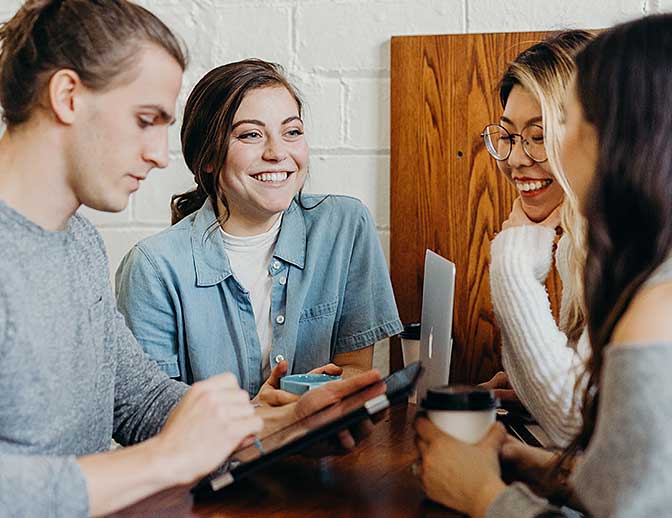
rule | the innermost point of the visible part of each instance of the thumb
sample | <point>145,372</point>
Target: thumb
<point>495,437</point>
<point>278,372</point>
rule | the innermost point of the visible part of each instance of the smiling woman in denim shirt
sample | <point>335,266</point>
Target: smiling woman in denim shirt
<point>254,277</point>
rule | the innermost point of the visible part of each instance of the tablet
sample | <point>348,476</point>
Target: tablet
<point>310,430</point>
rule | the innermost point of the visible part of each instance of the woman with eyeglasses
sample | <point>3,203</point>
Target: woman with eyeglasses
<point>541,357</point>
<point>618,160</point>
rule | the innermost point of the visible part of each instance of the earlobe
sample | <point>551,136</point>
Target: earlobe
<point>64,86</point>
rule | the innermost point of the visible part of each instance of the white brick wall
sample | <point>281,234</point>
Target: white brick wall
<point>338,53</point>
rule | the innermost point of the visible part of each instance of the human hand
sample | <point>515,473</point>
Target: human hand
<point>525,462</point>
<point>270,393</point>
<point>328,395</point>
<point>212,419</point>
<point>461,476</point>
<point>518,218</point>
<point>500,385</point>
<point>332,392</point>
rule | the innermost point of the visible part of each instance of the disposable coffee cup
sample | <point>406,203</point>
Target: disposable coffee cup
<point>463,411</point>
<point>410,343</point>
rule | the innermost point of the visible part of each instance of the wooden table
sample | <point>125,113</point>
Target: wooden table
<point>374,480</point>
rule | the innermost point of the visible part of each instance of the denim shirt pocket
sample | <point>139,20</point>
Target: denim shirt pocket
<point>316,325</point>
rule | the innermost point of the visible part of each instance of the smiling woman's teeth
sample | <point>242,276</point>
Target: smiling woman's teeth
<point>532,186</point>
<point>271,177</point>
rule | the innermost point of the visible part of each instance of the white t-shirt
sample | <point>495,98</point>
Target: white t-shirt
<point>250,257</point>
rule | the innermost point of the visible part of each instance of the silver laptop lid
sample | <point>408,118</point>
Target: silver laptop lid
<point>437,321</point>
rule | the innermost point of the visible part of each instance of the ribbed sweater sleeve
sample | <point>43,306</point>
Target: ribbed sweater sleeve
<point>541,366</point>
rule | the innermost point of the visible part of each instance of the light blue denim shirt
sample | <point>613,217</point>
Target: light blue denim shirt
<point>331,294</point>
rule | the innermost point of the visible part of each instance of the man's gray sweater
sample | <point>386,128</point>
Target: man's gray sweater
<point>71,374</point>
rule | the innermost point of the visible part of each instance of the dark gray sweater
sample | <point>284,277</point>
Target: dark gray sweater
<point>71,374</point>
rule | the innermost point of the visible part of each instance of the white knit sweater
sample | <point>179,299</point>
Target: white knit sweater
<point>541,365</point>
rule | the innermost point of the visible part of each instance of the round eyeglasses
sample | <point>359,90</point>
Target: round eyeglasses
<point>499,142</point>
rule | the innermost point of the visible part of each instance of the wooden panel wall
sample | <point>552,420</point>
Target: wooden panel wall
<point>446,193</point>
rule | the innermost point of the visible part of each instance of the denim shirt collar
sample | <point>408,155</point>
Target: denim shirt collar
<point>210,258</point>
<point>291,245</point>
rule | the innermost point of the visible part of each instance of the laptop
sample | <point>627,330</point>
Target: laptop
<point>436,342</point>
<point>519,423</point>
<point>436,345</point>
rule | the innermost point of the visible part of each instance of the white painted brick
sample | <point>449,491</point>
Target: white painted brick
<point>368,113</point>
<point>522,15</point>
<point>364,177</point>
<point>322,109</point>
<point>385,243</point>
<point>355,35</point>
<point>151,204</point>
<point>218,32</point>
<point>242,32</point>
<point>120,241</point>
<point>8,8</point>
<point>660,6</point>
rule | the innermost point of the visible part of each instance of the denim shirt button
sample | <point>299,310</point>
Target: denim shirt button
<point>280,319</point>
<point>283,280</point>
<point>279,358</point>
<point>276,265</point>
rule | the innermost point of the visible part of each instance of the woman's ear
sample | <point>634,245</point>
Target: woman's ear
<point>64,87</point>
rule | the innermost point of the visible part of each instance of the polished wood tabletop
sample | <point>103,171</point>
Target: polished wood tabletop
<point>374,480</point>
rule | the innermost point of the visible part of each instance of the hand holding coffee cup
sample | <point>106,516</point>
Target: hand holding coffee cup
<point>463,411</point>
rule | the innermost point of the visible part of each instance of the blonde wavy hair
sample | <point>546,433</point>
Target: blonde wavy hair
<point>545,70</point>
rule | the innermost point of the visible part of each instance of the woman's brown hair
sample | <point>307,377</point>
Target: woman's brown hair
<point>98,39</point>
<point>206,127</point>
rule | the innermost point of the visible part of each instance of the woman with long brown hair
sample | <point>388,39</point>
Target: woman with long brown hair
<point>255,277</point>
<point>618,159</point>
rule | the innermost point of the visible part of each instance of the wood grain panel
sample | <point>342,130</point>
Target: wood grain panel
<point>446,193</point>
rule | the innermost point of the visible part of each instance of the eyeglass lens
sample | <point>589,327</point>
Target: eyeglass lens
<point>499,142</point>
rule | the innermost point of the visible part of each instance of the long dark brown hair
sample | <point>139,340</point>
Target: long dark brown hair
<point>98,39</point>
<point>206,128</point>
<point>624,86</point>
